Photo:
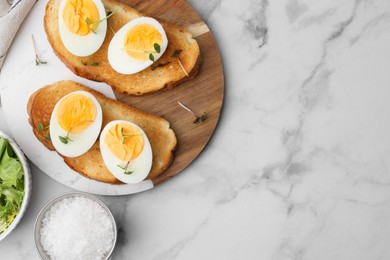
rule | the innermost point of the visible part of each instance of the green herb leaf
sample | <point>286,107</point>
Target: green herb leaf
<point>151,57</point>
<point>199,119</point>
<point>157,47</point>
<point>124,168</point>
<point>90,62</point>
<point>63,140</point>
<point>38,61</point>
<point>203,117</point>
<point>40,127</point>
<point>89,22</point>
<point>176,53</point>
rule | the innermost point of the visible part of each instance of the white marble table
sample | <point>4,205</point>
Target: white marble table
<point>299,165</point>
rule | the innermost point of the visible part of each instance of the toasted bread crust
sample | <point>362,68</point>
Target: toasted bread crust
<point>161,136</point>
<point>143,82</point>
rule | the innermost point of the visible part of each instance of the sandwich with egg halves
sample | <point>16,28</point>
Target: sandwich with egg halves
<point>63,126</point>
<point>107,41</point>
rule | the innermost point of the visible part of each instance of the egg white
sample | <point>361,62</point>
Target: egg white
<point>120,60</point>
<point>140,166</point>
<point>81,142</point>
<point>82,45</point>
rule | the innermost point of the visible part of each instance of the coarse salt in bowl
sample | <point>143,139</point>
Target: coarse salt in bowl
<point>75,226</point>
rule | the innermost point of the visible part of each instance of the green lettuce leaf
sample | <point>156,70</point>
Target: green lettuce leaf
<point>12,195</point>
<point>11,185</point>
<point>11,170</point>
<point>3,225</point>
<point>3,146</point>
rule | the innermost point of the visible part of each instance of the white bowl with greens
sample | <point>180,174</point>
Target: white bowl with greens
<point>15,185</point>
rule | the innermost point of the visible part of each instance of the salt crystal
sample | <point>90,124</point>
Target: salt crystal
<point>77,228</point>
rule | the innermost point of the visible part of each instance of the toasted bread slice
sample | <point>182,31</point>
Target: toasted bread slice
<point>143,82</point>
<point>161,136</point>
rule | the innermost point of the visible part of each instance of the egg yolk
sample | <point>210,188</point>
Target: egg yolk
<point>125,141</point>
<point>75,113</point>
<point>76,13</point>
<point>140,40</point>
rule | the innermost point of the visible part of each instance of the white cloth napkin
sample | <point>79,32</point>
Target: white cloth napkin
<point>12,14</point>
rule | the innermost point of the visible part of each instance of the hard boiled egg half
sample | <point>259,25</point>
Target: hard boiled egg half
<point>137,45</point>
<point>126,151</point>
<point>82,26</point>
<point>75,123</point>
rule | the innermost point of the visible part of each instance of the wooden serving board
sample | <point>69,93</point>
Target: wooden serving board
<point>20,77</point>
<point>202,94</point>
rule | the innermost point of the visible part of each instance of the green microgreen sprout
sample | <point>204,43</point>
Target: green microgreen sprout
<point>38,61</point>
<point>197,119</point>
<point>151,57</point>
<point>66,139</point>
<point>124,168</point>
<point>90,62</point>
<point>42,128</point>
<point>156,47</point>
<point>94,25</point>
<point>175,55</point>
<point>125,136</point>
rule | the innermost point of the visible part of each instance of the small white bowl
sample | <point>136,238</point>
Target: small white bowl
<point>38,222</point>
<point>27,185</point>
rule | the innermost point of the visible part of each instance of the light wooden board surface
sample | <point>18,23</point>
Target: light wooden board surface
<point>202,94</point>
